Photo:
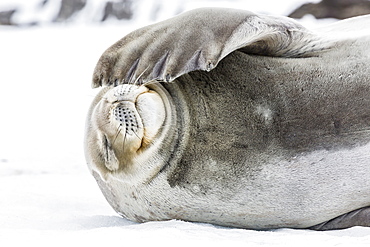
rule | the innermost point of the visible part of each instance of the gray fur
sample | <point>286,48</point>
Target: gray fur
<point>152,52</point>
<point>276,134</point>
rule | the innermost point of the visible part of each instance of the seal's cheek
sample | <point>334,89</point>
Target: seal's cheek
<point>152,112</point>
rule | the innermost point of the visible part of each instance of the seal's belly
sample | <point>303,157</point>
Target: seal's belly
<point>314,187</point>
<point>298,192</point>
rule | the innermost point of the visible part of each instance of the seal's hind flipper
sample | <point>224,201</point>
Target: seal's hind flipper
<point>359,217</point>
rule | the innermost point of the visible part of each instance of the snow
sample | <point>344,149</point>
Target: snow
<point>47,195</point>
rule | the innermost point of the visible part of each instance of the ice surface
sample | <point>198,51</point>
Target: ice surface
<point>47,196</point>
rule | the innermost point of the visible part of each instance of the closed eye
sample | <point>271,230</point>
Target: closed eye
<point>105,147</point>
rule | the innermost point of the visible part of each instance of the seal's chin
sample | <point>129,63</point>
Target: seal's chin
<point>128,119</point>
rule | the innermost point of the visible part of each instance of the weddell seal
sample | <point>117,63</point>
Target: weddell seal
<point>228,117</point>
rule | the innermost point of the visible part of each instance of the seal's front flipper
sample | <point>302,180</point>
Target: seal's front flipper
<point>198,40</point>
<point>359,217</point>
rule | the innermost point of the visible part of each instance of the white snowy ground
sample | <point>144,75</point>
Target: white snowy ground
<point>47,196</point>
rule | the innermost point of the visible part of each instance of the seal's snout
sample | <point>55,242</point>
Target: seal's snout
<point>124,114</point>
<point>126,130</point>
<point>126,118</point>
<point>126,125</point>
<point>138,111</point>
<point>126,121</point>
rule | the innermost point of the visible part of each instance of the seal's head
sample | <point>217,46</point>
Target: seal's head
<point>125,125</point>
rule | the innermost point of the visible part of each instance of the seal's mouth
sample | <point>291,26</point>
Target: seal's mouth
<point>134,115</point>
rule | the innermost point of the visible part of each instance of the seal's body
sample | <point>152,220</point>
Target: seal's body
<point>276,134</point>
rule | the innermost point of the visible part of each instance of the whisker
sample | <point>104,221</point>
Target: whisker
<point>104,124</point>
<point>136,135</point>
<point>118,132</point>
<point>138,78</point>
<point>130,82</point>
<point>150,82</point>
<point>123,143</point>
